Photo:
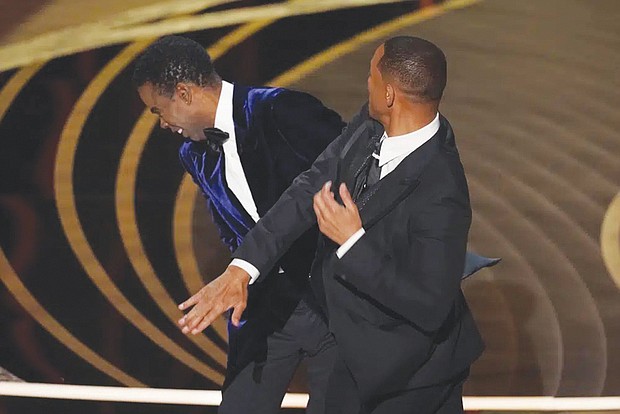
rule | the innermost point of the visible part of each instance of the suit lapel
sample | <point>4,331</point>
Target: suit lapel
<point>400,183</point>
<point>355,155</point>
<point>255,166</point>
<point>241,119</point>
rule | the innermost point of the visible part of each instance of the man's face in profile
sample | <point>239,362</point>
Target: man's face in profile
<point>376,87</point>
<point>176,112</point>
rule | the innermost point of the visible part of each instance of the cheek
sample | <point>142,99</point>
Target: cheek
<point>373,94</point>
<point>371,91</point>
<point>171,113</point>
<point>177,117</point>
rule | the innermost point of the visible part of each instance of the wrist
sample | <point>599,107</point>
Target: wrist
<point>348,235</point>
<point>239,274</point>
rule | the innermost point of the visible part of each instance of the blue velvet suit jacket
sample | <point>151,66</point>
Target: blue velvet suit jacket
<point>279,134</point>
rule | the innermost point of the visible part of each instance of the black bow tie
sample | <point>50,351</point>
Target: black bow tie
<point>215,138</point>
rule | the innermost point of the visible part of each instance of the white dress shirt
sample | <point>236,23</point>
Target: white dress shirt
<point>235,176</point>
<point>393,151</point>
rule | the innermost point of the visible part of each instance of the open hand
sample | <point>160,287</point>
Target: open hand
<point>229,290</point>
<point>336,221</point>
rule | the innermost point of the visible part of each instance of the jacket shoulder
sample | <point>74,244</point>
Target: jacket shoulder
<point>261,95</point>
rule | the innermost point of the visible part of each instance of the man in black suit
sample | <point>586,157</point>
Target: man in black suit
<point>243,148</point>
<point>389,264</point>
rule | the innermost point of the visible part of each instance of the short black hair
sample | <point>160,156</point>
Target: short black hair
<point>173,59</point>
<point>417,65</point>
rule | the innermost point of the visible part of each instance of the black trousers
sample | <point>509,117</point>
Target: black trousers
<point>259,389</point>
<point>343,398</point>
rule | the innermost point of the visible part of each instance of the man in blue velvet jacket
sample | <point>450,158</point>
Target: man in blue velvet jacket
<point>243,148</point>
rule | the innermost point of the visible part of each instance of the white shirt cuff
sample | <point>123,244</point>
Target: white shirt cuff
<point>248,267</point>
<point>350,242</point>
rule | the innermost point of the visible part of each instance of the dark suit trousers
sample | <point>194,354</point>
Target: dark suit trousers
<point>260,387</point>
<point>343,398</point>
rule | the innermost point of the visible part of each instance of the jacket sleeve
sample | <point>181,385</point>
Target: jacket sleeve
<point>421,280</point>
<point>227,236</point>
<point>292,214</point>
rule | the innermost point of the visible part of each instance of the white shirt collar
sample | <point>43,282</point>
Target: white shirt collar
<point>235,176</point>
<point>401,145</point>
<point>224,111</point>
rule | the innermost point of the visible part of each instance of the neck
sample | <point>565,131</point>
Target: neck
<point>209,100</point>
<point>409,117</point>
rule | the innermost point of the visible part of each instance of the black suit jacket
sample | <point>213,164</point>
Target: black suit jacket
<point>394,300</point>
<point>279,133</point>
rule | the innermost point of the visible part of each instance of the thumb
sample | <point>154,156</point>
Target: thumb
<point>235,318</point>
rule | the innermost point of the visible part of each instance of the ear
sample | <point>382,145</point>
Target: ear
<point>389,95</point>
<point>184,92</point>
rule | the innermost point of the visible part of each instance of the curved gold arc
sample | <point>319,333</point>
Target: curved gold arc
<point>182,231</point>
<point>21,293</point>
<point>12,88</point>
<point>371,35</point>
<point>65,201</point>
<point>183,235</point>
<point>57,330</point>
<point>128,226</point>
<point>610,239</point>
<point>66,43</point>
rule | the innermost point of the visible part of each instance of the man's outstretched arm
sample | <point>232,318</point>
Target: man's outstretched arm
<point>268,240</point>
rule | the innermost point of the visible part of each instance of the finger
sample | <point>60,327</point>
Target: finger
<point>330,202</point>
<point>204,318</point>
<point>201,324</point>
<point>319,203</point>
<point>317,212</point>
<point>194,324</point>
<point>191,301</point>
<point>327,186</point>
<point>237,313</point>
<point>184,320</point>
<point>321,220</point>
<point>193,317</point>
<point>346,197</point>
<point>185,326</point>
<point>200,327</point>
<point>327,190</point>
<point>187,322</point>
<point>323,204</point>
